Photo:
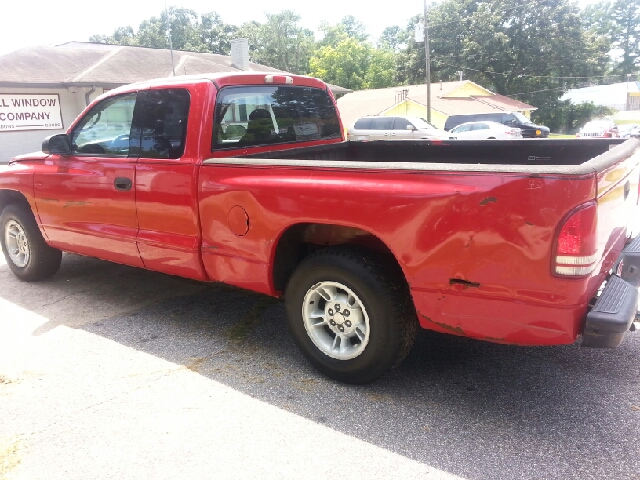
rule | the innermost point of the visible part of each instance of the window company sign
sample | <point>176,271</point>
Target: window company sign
<point>29,112</point>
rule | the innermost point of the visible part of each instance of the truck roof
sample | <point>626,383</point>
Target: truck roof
<point>226,79</point>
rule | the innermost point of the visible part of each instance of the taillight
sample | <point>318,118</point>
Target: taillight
<point>576,249</point>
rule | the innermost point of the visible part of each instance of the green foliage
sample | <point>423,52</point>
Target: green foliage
<point>189,32</point>
<point>565,117</point>
<point>348,27</point>
<point>344,57</point>
<point>530,50</point>
<point>280,42</point>
<point>346,64</point>
<point>626,34</point>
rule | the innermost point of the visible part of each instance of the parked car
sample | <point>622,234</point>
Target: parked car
<point>394,128</point>
<point>601,128</point>
<point>511,119</point>
<point>484,131</point>
<point>628,130</point>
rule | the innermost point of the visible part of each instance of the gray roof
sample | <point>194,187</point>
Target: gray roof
<point>109,66</point>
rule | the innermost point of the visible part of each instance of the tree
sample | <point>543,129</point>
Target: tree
<point>392,38</point>
<point>531,50</point>
<point>346,64</point>
<point>215,34</point>
<point>189,32</point>
<point>121,36</point>
<point>348,27</point>
<point>280,42</point>
<point>382,69</point>
<point>626,37</point>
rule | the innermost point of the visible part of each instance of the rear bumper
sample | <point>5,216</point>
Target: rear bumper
<point>612,315</point>
<point>615,309</point>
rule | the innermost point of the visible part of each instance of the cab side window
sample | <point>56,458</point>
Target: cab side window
<point>105,130</point>
<point>163,122</point>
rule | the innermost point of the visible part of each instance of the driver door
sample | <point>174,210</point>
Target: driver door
<point>86,200</point>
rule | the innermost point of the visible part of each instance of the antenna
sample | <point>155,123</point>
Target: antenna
<point>173,67</point>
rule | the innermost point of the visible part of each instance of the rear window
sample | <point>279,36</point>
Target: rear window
<point>269,114</point>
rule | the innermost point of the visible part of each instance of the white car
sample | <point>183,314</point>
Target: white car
<point>599,129</point>
<point>485,131</point>
<point>385,127</point>
<point>628,130</point>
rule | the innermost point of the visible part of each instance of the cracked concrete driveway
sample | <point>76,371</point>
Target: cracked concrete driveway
<point>108,371</point>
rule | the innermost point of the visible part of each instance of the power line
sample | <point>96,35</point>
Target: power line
<point>533,76</point>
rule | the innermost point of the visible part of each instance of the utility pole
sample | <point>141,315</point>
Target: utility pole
<point>426,51</point>
<point>173,67</point>
<point>627,106</point>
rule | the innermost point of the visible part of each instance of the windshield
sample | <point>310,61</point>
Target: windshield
<point>522,119</point>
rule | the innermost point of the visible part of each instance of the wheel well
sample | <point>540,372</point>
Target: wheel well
<point>8,197</point>
<point>300,240</point>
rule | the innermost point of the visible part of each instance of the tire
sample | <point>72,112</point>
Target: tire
<point>24,248</point>
<point>351,313</point>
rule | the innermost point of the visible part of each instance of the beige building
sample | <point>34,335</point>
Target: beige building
<point>447,98</point>
<point>43,89</point>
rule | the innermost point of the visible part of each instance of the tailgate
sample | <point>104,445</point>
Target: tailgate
<point>618,175</point>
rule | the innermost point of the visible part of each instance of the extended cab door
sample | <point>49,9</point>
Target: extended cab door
<point>166,178</point>
<point>86,200</point>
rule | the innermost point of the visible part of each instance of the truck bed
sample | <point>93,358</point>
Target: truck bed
<point>554,156</point>
<point>473,224</point>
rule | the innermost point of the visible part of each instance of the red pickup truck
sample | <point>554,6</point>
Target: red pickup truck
<point>246,179</point>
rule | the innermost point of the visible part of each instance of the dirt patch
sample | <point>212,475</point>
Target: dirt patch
<point>243,328</point>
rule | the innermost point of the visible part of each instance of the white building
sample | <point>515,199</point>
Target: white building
<point>621,96</point>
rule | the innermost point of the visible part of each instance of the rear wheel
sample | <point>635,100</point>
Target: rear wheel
<point>351,314</point>
<point>24,248</point>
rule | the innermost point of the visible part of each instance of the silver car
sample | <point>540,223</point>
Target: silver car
<point>394,128</point>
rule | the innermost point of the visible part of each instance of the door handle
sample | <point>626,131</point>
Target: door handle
<point>123,184</point>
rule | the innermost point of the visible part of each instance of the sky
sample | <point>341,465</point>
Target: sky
<point>29,23</point>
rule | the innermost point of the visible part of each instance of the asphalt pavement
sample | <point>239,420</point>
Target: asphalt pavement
<point>108,371</point>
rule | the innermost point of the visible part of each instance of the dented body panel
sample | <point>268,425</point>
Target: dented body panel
<point>474,240</point>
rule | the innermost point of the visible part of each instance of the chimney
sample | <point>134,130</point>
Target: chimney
<point>240,53</point>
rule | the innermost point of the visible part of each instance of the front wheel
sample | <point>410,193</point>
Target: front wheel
<point>24,248</point>
<point>351,314</point>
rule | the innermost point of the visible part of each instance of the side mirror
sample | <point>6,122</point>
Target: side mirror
<point>411,127</point>
<point>57,144</point>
